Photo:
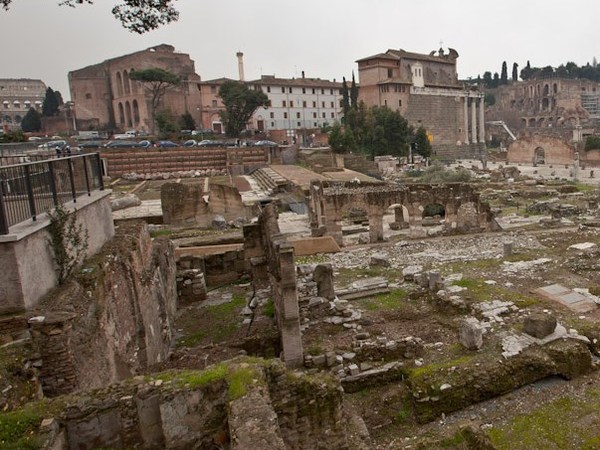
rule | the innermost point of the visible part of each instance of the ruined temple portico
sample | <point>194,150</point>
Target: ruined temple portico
<point>463,209</point>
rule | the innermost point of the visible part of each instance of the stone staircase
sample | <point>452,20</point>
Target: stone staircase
<point>269,180</point>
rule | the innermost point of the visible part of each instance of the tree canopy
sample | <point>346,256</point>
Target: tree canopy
<point>50,103</point>
<point>138,16</point>
<point>240,103</point>
<point>156,81</point>
<point>32,121</point>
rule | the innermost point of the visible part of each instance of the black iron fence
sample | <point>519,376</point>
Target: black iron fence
<point>30,189</point>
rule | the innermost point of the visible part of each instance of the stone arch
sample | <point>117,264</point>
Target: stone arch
<point>532,122</point>
<point>136,112</point>
<point>121,114</point>
<point>540,122</point>
<point>539,156</point>
<point>401,216</point>
<point>128,113</point>
<point>546,89</point>
<point>126,85</point>
<point>434,209</point>
<point>18,118</point>
<point>524,122</point>
<point>133,83</point>
<point>555,88</point>
<point>119,84</point>
<point>538,90</point>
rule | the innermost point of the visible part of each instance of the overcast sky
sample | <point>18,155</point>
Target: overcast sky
<point>322,37</point>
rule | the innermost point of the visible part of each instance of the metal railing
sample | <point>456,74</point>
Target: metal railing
<point>28,190</point>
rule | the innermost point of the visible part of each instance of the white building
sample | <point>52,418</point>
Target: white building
<point>297,103</point>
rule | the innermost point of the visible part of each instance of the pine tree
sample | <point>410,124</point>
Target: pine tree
<point>345,97</point>
<point>32,121</point>
<point>353,93</point>
<point>515,72</point>
<point>504,74</point>
<point>50,104</point>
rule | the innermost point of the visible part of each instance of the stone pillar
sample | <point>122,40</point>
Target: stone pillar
<point>376,228</point>
<point>474,121</point>
<point>466,117</point>
<point>481,120</point>
<point>399,218</point>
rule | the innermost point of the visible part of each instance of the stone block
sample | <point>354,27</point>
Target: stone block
<point>539,325</point>
<point>380,259</point>
<point>471,334</point>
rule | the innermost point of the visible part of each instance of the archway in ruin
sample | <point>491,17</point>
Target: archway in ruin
<point>396,217</point>
<point>355,221</point>
<point>539,156</point>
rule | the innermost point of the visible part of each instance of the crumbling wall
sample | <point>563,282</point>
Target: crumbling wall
<point>240,404</point>
<point>271,257</point>
<point>183,204</point>
<point>555,150</point>
<point>121,307</point>
<point>226,201</point>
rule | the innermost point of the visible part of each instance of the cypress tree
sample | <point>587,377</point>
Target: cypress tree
<point>504,74</point>
<point>50,104</point>
<point>515,72</point>
<point>345,97</point>
<point>353,93</point>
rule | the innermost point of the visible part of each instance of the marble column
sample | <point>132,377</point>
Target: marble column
<point>481,120</point>
<point>466,114</point>
<point>474,121</point>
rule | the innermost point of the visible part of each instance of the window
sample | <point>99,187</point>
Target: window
<point>268,88</point>
<point>332,115</point>
<point>324,115</point>
<point>291,103</point>
<point>400,103</point>
<point>283,103</point>
<point>272,115</point>
<point>322,104</point>
<point>332,105</point>
<point>315,125</point>
<point>88,96</point>
<point>282,90</point>
<point>304,90</point>
<point>322,91</point>
<point>390,73</point>
<point>213,89</point>
<point>341,103</point>
<point>272,124</point>
<point>314,115</point>
<point>290,90</point>
<point>299,124</point>
<point>339,92</point>
<point>385,102</point>
<point>297,115</point>
<point>285,115</point>
<point>214,103</point>
<point>331,91</point>
<point>304,103</point>
<point>314,104</point>
<point>313,90</point>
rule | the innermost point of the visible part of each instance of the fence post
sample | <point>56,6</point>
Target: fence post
<point>3,220</point>
<point>30,193</point>
<point>72,179</point>
<point>87,178</point>
<point>52,183</point>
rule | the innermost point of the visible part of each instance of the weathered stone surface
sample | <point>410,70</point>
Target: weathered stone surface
<point>380,259</point>
<point>323,276</point>
<point>219,223</point>
<point>127,201</point>
<point>471,334</point>
<point>539,325</point>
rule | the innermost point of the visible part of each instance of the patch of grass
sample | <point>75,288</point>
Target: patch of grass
<point>158,233</point>
<point>429,369</point>
<point>18,429</point>
<point>346,276</point>
<point>388,301</point>
<point>224,319</point>
<point>269,309</point>
<point>312,259</point>
<point>239,380</point>
<point>194,378</point>
<point>565,423</point>
<point>403,414</point>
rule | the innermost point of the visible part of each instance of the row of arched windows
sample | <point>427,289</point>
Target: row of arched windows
<point>124,84</point>
<point>129,115</point>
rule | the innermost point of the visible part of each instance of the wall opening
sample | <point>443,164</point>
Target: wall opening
<point>539,156</point>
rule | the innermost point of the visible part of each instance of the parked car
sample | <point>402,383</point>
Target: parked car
<point>145,144</point>
<point>202,131</point>
<point>166,144</point>
<point>91,144</point>
<point>34,138</point>
<point>51,145</point>
<point>190,143</point>
<point>266,144</point>
<point>123,136</point>
<point>121,144</point>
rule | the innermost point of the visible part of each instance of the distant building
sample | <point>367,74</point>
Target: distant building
<point>556,106</point>
<point>17,96</point>
<point>104,97</point>
<point>426,91</point>
<point>297,104</point>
